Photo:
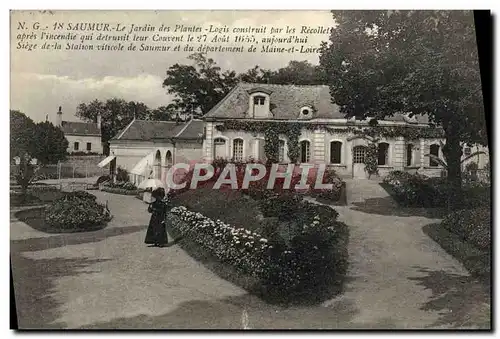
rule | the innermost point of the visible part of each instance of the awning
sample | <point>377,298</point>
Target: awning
<point>143,165</point>
<point>106,161</point>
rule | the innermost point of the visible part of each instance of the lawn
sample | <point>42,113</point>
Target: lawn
<point>35,196</point>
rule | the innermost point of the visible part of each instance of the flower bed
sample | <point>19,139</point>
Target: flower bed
<point>121,187</point>
<point>310,258</point>
<point>76,212</point>
<point>258,189</point>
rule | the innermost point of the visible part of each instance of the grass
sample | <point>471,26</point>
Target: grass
<point>35,197</point>
<point>34,218</point>
<point>475,260</point>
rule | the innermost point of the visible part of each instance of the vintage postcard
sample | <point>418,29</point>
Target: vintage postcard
<point>249,170</point>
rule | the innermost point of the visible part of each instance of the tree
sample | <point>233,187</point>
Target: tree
<point>378,63</point>
<point>115,113</point>
<point>299,73</point>
<point>50,143</point>
<point>164,113</point>
<point>198,87</point>
<point>295,73</point>
<point>29,141</point>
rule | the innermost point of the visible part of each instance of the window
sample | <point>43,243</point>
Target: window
<point>168,159</point>
<point>335,152</point>
<point>220,148</point>
<point>259,100</point>
<point>467,151</point>
<point>89,146</point>
<point>305,151</point>
<point>157,165</point>
<point>383,153</point>
<point>219,141</point>
<point>305,111</point>
<point>238,149</point>
<point>76,145</point>
<point>434,150</point>
<point>282,151</point>
<point>359,154</point>
<point>409,154</point>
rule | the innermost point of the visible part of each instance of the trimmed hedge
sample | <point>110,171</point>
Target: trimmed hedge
<point>290,261</point>
<point>122,191</point>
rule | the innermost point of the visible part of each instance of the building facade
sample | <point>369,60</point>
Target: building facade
<point>82,137</point>
<point>231,131</point>
<point>149,148</point>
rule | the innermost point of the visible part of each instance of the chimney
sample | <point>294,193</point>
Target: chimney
<point>59,117</point>
<point>46,118</point>
<point>99,121</point>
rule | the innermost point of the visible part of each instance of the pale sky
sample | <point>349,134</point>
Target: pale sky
<point>41,80</point>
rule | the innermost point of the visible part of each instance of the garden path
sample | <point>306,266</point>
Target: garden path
<point>399,278</point>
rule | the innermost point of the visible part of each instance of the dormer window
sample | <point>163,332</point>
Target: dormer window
<point>259,104</point>
<point>259,100</point>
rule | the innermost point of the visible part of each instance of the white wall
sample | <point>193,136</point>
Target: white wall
<point>95,141</point>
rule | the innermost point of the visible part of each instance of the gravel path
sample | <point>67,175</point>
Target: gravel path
<point>399,278</point>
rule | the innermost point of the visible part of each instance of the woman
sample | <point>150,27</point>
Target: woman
<point>157,233</point>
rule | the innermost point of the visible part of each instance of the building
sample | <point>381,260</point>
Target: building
<point>231,130</point>
<point>83,137</point>
<point>149,148</point>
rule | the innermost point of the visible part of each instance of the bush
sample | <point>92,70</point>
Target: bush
<point>315,254</point>
<point>77,211</point>
<point>124,185</point>
<point>421,191</point>
<point>122,175</point>
<point>102,179</point>
<point>472,226</point>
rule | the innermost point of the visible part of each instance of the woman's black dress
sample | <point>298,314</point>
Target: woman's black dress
<point>157,233</point>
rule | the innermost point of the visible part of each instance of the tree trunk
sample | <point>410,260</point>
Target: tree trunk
<point>453,155</point>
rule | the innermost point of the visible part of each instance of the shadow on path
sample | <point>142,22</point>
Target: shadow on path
<point>387,206</point>
<point>36,306</point>
<point>44,243</point>
<point>240,312</point>
<point>462,301</point>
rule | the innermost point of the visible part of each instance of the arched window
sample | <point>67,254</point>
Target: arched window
<point>219,148</point>
<point>409,155</point>
<point>335,152</point>
<point>282,150</point>
<point>434,150</point>
<point>383,153</point>
<point>168,159</point>
<point>238,149</point>
<point>157,165</point>
<point>305,151</point>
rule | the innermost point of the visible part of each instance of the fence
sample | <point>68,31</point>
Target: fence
<point>65,171</point>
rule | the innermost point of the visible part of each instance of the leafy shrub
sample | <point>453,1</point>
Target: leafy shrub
<point>102,179</point>
<point>122,175</point>
<point>472,225</point>
<point>77,211</point>
<point>418,190</point>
